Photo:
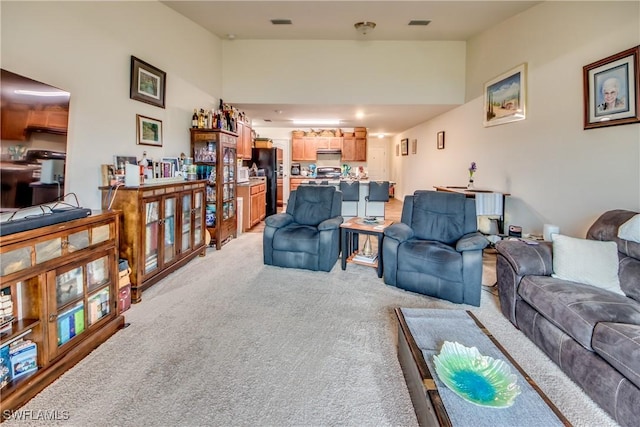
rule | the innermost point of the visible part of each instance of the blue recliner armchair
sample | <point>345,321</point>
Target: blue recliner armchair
<point>436,250</point>
<point>308,234</point>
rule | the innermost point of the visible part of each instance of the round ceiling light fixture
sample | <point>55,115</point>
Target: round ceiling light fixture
<point>364,27</point>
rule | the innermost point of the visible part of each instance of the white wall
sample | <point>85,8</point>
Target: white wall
<point>556,171</point>
<point>85,48</point>
<point>343,72</point>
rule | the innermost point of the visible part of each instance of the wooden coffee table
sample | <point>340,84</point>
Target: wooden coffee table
<point>421,333</point>
<point>350,231</point>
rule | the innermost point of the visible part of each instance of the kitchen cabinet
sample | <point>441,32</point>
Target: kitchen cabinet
<point>14,122</point>
<point>279,194</point>
<point>354,149</point>
<point>254,195</point>
<point>162,228</point>
<point>295,182</point>
<point>62,281</point>
<point>305,148</point>
<point>215,150</point>
<point>245,141</point>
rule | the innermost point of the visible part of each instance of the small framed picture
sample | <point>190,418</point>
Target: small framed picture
<point>414,146</point>
<point>404,146</point>
<point>505,97</point>
<point>611,90</point>
<point>148,83</point>
<point>441,140</point>
<point>149,131</point>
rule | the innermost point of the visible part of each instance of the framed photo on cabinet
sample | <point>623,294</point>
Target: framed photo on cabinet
<point>505,97</point>
<point>147,83</point>
<point>611,90</point>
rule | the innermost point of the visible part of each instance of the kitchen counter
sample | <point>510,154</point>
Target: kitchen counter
<point>351,209</point>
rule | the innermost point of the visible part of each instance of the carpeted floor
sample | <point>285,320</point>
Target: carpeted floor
<point>227,341</point>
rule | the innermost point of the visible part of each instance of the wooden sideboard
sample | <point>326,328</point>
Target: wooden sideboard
<point>62,281</point>
<point>162,228</point>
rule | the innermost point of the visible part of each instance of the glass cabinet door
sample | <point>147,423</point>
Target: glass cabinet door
<point>186,222</point>
<point>169,222</point>
<point>197,217</point>
<point>151,233</point>
<point>69,309</point>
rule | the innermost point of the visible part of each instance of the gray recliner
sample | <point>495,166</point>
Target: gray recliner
<point>436,250</point>
<point>308,234</point>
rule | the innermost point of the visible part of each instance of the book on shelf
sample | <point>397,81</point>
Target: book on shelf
<point>23,358</point>
<point>366,259</point>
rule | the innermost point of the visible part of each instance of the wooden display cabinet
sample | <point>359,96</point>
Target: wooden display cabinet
<point>215,150</point>
<point>163,228</point>
<point>255,205</point>
<point>63,283</point>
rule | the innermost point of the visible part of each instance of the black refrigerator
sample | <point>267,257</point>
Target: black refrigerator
<point>266,159</point>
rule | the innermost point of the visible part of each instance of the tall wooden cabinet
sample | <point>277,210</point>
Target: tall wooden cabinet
<point>163,228</point>
<point>215,150</point>
<point>62,281</point>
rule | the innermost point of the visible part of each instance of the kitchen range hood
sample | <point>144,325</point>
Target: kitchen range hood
<point>328,151</point>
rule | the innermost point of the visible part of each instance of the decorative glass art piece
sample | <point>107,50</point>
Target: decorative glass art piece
<point>479,379</point>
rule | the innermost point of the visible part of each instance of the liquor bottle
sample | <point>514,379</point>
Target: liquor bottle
<point>194,118</point>
<point>201,119</point>
<point>210,122</point>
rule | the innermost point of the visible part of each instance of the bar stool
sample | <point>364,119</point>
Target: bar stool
<point>350,193</point>
<point>378,192</point>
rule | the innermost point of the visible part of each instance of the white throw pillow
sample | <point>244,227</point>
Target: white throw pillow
<point>630,230</point>
<point>591,262</point>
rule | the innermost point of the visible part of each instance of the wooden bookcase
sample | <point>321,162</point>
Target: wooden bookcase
<point>63,283</point>
<point>162,228</point>
<point>215,150</point>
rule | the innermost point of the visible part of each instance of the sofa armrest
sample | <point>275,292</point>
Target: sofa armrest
<point>330,224</point>
<point>278,220</point>
<point>399,231</point>
<point>527,259</point>
<point>472,242</point>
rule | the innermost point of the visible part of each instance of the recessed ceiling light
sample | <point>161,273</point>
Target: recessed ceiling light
<point>419,22</point>
<point>231,36</point>
<point>326,122</point>
<point>359,115</point>
<point>281,21</point>
<point>381,135</point>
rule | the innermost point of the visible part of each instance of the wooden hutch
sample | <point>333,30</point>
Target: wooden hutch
<point>214,151</point>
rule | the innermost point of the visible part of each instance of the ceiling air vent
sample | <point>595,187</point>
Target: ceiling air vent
<point>281,21</point>
<point>419,22</point>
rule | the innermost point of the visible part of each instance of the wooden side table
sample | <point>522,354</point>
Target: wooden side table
<point>350,232</point>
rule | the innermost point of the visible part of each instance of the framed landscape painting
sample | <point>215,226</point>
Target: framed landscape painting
<point>149,131</point>
<point>611,90</point>
<point>147,83</point>
<point>505,97</point>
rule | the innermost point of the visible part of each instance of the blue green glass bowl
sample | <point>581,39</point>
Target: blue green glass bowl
<point>481,380</point>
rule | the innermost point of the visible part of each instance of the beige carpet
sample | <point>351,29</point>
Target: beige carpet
<point>227,341</point>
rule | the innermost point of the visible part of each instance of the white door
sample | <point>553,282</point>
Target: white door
<point>377,163</point>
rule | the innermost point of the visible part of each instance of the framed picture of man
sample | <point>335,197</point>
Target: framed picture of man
<point>611,90</point>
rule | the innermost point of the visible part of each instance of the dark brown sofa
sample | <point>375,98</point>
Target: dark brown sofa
<point>592,334</point>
